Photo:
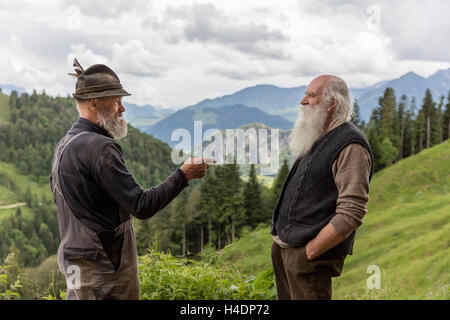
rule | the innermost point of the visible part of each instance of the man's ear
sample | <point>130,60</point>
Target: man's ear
<point>93,103</point>
<point>333,104</point>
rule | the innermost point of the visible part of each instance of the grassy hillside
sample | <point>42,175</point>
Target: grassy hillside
<point>405,233</point>
<point>10,196</point>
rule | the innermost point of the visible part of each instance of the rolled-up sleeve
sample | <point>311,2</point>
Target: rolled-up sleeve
<point>351,171</point>
<point>117,181</point>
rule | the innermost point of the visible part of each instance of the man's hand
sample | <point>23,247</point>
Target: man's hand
<point>196,167</point>
<point>325,240</point>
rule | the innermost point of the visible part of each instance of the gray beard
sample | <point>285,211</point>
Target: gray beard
<point>307,129</point>
<point>115,126</point>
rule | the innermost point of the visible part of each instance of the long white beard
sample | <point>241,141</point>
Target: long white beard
<point>115,125</point>
<point>307,129</point>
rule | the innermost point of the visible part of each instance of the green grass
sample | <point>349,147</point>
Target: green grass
<point>4,108</point>
<point>405,233</point>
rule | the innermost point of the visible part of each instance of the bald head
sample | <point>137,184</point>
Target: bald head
<point>321,81</point>
<point>332,92</point>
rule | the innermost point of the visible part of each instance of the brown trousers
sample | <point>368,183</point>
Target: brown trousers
<point>297,278</point>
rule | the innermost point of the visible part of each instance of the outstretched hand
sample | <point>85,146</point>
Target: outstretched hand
<point>196,167</point>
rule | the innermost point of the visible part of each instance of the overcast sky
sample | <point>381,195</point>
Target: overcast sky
<point>176,53</point>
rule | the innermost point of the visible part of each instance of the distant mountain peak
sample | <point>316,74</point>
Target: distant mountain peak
<point>411,75</point>
<point>445,73</point>
<point>7,88</point>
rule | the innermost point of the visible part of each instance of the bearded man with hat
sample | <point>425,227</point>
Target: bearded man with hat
<point>96,195</point>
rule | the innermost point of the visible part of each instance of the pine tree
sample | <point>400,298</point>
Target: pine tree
<point>206,205</point>
<point>439,133</point>
<point>252,199</point>
<point>401,125</point>
<point>18,218</point>
<point>387,112</point>
<point>413,126</point>
<point>408,132</point>
<point>383,130</point>
<point>34,96</point>
<point>446,119</point>
<point>231,213</point>
<point>182,217</point>
<point>375,143</point>
<point>28,198</point>
<point>421,131</point>
<point>13,98</point>
<point>357,117</point>
<point>431,119</point>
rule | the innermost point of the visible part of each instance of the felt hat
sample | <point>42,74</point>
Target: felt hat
<point>96,81</point>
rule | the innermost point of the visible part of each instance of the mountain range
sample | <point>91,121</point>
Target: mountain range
<point>272,101</point>
<point>224,117</point>
<point>268,104</point>
<point>285,101</point>
<point>144,117</point>
<point>7,88</point>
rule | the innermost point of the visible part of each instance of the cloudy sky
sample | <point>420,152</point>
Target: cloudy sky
<point>176,53</point>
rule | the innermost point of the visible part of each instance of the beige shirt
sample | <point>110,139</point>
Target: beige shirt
<point>351,171</point>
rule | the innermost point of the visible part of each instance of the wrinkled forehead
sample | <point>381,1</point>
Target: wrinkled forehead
<point>317,85</point>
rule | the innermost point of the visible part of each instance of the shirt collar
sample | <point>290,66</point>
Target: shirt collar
<point>84,124</point>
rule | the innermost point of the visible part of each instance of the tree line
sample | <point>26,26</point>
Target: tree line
<point>400,128</point>
<point>212,212</point>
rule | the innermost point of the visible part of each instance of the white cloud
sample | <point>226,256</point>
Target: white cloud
<point>419,30</point>
<point>24,69</point>
<point>134,58</point>
<point>85,56</point>
<point>176,53</point>
<point>204,22</point>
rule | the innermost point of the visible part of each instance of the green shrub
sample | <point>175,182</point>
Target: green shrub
<point>9,280</point>
<point>163,276</point>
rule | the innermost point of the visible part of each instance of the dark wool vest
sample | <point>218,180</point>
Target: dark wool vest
<point>312,192</point>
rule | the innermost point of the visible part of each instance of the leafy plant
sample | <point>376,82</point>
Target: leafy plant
<point>9,281</point>
<point>166,277</point>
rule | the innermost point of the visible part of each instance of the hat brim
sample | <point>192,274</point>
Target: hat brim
<point>101,94</point>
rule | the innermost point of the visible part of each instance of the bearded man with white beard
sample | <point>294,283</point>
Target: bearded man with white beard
<point>97,197</point>
<point>324,198</point>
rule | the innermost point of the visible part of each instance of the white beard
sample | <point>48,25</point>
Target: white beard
<point>307,129</point>
<point>115,125</point>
